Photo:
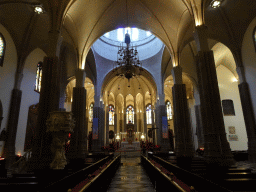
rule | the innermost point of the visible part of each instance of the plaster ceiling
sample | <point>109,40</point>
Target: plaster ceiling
<point>223,56</point>
<point>166,19</point>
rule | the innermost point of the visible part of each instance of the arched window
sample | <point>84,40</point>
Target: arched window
<point>169,110</point>
<point>148,114</point>
<point>39,73</point>
<point>91,112</point>
<point>130,114</point>
<point>2,49</point>
<point>111,112</point>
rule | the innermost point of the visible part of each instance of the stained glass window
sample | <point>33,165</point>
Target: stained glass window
<point>91,112</point>
<point>148,114</point>
<point>130,114</point>
<point>169,110</point>
<point>39,72</point>
<point>111,111</point>
<point>254,37</point>
<point>2,49</point>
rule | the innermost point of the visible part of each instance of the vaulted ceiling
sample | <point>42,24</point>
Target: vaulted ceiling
<point>82,22</point>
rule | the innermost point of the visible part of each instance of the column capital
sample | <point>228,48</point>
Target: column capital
<point>177,75</point>
<point>200,36</point>
<point>55,41</point>
<point>80,77</point>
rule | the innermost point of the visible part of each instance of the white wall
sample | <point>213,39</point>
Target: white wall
<point>249,61</point>
<point>29,96</point>
<point>7,77</point>
<point>229,90</point>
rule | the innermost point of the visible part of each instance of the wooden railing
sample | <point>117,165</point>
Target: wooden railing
<point>102,180</point>
<point>199,183</point>
<point>159,179</point>
<point>69,182</point>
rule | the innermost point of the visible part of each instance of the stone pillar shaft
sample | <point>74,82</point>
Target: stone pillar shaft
<point>115,123</point>
<point>9,147</point>
<point>78,144</point>
<point>161,112</point>
<point>99,113</point>
<point>217,149</point>
<point>124,114</point>
<point>135,116</point>
<point>249,120</point>
<point>107,126</point>
<point>182,127</point>
<point>49,101</point>
<point>199,126</point>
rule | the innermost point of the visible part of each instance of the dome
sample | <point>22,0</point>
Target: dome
<point>147,44</point>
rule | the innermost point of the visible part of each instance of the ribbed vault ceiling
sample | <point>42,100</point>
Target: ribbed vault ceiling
<point>88,20</point>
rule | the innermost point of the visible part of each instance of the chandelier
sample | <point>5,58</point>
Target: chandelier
<point>128,64</point>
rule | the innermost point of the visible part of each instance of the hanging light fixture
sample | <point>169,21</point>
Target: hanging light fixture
<point>128,64</point>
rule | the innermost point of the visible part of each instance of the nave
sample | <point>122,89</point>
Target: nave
<point>131,176</point>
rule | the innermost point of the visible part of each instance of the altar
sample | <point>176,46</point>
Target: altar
<point>130,146</point>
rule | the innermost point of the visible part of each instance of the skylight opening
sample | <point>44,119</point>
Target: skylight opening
<point>148,33</point>
<point>106,34</point>
<point>120,34</point>
<point>135,34</point>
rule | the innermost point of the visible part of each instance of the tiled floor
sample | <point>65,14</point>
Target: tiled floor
<point>131,177</point>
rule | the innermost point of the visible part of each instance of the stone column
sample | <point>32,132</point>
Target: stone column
<point>248,114</point>
<point>48,102</point>
<point>107,125</point>
<point>99,113</point>
<point>183,134</point>
<point>145,119</point>
<point>124,123</point>
<point>115,123</point>
<point>217,149</point>
<point>9,147</point>
<point>135,115</point>
<point>160,112</point>
<point>78,142</point>
<point>199,126</point>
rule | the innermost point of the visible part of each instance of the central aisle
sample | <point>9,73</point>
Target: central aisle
<point>131,177</point>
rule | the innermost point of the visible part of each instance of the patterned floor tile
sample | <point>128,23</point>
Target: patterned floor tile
<point>131,177</point>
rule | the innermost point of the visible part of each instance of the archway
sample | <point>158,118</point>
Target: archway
<point>137,93</point>
<point>228,81</point>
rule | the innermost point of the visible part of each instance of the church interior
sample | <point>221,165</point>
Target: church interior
<point>84,82</point>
